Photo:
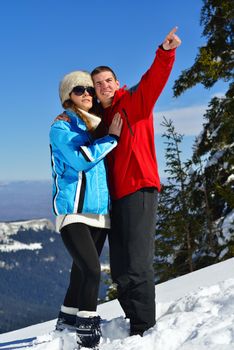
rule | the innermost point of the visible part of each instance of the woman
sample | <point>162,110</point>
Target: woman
<point>81,201</point>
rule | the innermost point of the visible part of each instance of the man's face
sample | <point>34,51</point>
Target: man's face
<point>105,86</point>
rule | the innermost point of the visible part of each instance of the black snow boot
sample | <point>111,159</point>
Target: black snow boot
<point>88,331</point>
<point>66,321</point>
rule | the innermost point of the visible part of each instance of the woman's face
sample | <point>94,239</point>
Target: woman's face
<point>83,101</point>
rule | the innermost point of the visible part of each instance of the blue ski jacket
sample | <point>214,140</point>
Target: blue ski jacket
<point>78,169</point>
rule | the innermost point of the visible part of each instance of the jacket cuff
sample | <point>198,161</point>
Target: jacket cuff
<point>115,137</point>
<point>161,47</point>
<point>166,53</point>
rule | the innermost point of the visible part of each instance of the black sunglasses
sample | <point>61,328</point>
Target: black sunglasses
<point>79,90</point>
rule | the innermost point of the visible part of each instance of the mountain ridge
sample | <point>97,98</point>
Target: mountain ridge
<point>34,272</point>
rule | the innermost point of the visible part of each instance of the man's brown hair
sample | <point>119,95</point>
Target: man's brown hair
<point>100,69</point>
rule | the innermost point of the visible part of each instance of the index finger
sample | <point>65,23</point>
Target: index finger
<point>173,31</point>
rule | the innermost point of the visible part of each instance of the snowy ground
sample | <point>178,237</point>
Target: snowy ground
<point>195,311</point>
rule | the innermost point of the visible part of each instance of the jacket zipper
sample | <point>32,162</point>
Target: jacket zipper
<point>127,121</point>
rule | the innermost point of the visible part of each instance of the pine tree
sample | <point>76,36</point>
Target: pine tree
<point>215,60</point>
<point>214,148</point>
<point>206,237</point>
<point>177,225</point>
<point>215,151</point>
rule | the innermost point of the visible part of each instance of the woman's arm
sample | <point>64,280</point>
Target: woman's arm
<point>75,149</point>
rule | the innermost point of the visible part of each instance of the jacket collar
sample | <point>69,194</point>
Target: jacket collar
<point>118,94</point>
<point>93,119</point>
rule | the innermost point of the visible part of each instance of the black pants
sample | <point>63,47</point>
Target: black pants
<point>131,241</point>
<point>84,243</point>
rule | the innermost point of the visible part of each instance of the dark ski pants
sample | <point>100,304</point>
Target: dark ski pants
<point>84,243</point>
<point>131,241</point>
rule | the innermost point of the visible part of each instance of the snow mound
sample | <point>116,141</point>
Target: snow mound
<point>200,318</point>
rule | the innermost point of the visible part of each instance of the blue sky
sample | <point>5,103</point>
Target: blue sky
<point>42,40</point>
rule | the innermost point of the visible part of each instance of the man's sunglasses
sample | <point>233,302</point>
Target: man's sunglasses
<point>79,90</point>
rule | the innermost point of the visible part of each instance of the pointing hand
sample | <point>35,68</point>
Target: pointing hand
<point>171,41</point>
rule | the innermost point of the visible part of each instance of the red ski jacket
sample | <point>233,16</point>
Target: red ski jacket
<point>132,165</point>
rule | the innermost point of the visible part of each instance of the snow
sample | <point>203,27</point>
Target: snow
<point>11,228</point>
<point>218,154</point>
<point>228,226</point>
<point>215,158</point>
<point>230,178</point>
<point>15,246</point>
<point>223,253</point>
<point>215,132</point>
<point>195,311</point>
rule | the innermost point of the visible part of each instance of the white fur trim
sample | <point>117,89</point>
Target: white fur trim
<point>94,120</point>
<point>69,310</point>
<point>87,313</point>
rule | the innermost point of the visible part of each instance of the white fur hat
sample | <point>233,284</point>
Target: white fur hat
<point>71,80</point>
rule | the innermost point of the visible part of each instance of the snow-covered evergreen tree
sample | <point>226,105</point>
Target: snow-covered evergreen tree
<point>215,60</point>
<point>214,148</point>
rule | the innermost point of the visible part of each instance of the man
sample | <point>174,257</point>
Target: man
<point>134,183</point>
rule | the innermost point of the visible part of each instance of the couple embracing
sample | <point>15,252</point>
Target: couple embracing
<point>106,183</point>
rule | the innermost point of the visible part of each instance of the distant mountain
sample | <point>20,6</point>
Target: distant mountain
<point>34,273</point>
<point>25,200</point>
